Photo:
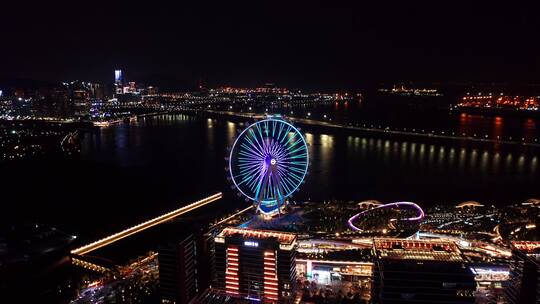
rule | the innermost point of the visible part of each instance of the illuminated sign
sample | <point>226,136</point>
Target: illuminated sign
<point>251,244</point>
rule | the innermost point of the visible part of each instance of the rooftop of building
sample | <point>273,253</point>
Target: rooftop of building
<point>423,250</point>
<point>350,255</point>
<point>469,204</point>
<point>530,247</point>
<point>282,237</point>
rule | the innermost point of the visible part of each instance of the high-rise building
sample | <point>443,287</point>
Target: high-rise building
<point>178,271</point>
<point>96,90</point>
<point>418,271</point>
<point>255,264</point>
<point>523,287</point>
<point>118,82</point>
<point>118,77</point>
<point>205,260</point>
<point>151,90</point>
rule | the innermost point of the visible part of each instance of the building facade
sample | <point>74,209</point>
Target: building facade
<point>523,287</point>
<point>178,271</point>
<point>417,271</point>
<point>255,264</point>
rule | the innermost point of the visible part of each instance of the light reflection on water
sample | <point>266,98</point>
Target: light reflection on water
<point>343,166</point>
<point>469,159</point>
<point>438,156</point>
<point>402,166</point>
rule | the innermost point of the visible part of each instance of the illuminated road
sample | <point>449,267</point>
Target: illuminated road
<point>90,266</point>
<point>150,223</point>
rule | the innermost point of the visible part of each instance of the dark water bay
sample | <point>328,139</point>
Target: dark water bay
<point>134,171</point>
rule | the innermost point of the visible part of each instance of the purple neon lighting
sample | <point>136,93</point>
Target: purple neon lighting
<point>420,215</point>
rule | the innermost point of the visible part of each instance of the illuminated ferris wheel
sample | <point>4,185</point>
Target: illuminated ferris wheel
<point>268,162</point>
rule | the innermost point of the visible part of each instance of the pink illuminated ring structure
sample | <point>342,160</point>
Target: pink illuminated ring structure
<point>420,215</point>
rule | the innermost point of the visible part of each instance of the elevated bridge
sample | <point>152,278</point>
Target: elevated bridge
<point>145,225</point>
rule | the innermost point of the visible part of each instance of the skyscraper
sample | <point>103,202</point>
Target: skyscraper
<point>177,271</point>
<point>118,82</point>
<point>118,77</point>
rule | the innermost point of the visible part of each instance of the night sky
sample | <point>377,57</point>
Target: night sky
<point>307,44</point>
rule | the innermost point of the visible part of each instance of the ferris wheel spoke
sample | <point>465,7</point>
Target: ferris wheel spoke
<point>285,134</point>
<point>285,187</point>
<point>276,146</point>
<point>267,145</point>
<point>280,154</point>
<point>249,169</point>
<point>266,127</point>
<point>247,172</point>
<point>255,184</point>
<point>248,159</point>
<point>281,126</point>
<point>260,131</point>
<point>299,148</point>
<point>275,151</point>
<point>293,145</point>
<point>287,145</point>
<point>281,172</point>
<point>297,170</point>
<point>243,155</point>
<point>255,138</point>
<point>294,163</point>
<point>288,184</point>
<point>252,169</point>
<point>249,165</point>
<point>255,147</point>
<point>248,179</point>
<point>282,168</point>
<point>247,151</point>
<point>304,155</point>
<point>295,176</point>
<point>278,150</point>
<point>244,181</point>
<point>259,141</point>
<point>250,147</point>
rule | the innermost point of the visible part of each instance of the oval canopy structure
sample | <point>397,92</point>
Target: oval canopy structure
<point>268,162</point>
<point>399,216</point>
